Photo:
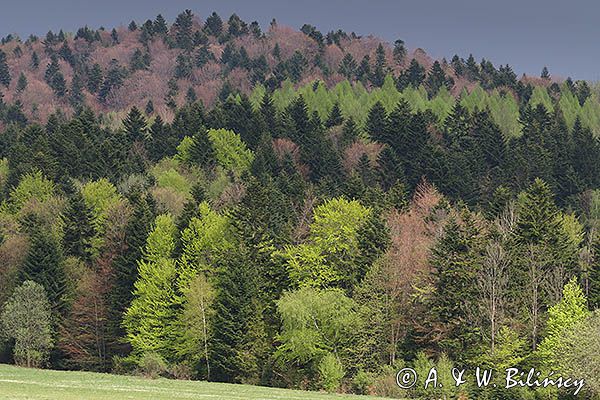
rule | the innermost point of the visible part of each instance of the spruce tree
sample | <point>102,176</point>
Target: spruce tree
<point>78,229</point>
<point>21,83</point>
<point>335,116</point>
<point>35,60</point>
<point>43,265</point>
<point>135,125</point>
<point>4,72</point>
<point>183,30</point>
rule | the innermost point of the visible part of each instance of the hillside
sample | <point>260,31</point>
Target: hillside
<point>210,201</point>
<point>158,66</point>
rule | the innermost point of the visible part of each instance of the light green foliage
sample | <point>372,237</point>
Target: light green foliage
<point>4,169</point>
<point>331,371</point>
<point>206,238</point>
<point>329,256</point>
<point>150,319</point>
<point>35,384</point>
<point>101,197</point>
<point>26,318</point>
<point>183,149</point>
<point>509,351</point>
<point>315,323</point>
<point>231,152</point>
<point>194,321</point>
<point>578,352</point>
<point>504,109</point>
<point>540,96</point>
<point>32,187</point>
<point>446,388</point>
<point>174,183</point>
<point>562,317</point>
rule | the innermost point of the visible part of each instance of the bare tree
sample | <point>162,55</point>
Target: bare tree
<point>536,262</point>
<point>492,283</point>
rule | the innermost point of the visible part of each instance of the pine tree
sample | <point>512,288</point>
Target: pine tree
<point>43,265</point>
<point>35,60</point>
<point>21,83</point>
<point>399,51</point>
<point>183,30</point>
<point>4,72</point>
<point>79,230</point>
<point>135,125</point>
<point>125,266</point>
<point>545,74</point>
<point>454,259</point>
<point>94,78</point>
<point>380,65</point>
<point>436,80</point>
<point>335,116</point>
<point>234,313</point>
<point>160,25</point>
<point>132,26</point>
<point>376,121</point>
<point>348,66</point>
<point>213,25</point>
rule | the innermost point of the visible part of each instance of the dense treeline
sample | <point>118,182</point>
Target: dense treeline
<point>247,244</point>
<point>299,236</point>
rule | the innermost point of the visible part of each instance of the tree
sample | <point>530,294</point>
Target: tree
<point>399,52</point>
<point>234,314</point>
<point>195,324</point>
<point>151,318</point>
<point>183,30</point>
<point>21,83</point>
<point>135,125</point>
<point>437,79</point>
<point>562,317</point>
<point>213,25</point>
<point>380,65</point>
<point>35,60</point>
<point>348,66</point>
<point>43,265</point>
<point>545,74</point>
<point>318,329</point>
<point>79,230</point>
<point>26,318</point>
<point>4,71</point>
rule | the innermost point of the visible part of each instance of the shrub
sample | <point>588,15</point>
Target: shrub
<point>152,366</point>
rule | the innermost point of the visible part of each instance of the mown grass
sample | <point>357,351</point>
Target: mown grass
<point>36,384</point>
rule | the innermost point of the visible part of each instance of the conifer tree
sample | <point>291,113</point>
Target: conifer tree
<point>183,30</point>
<point>399,51</point>
<point>135,125</point>
<point>94,78</point>
<point>335,116</point>
<point>213,25</point>
<point>4,72</point>
<point>380,64</point>
<point>21,83</point>
<point>35,60</point>
<point>43,265</point>
<point>348,66</point>
<point>79,230</point>
<point>160,25</point>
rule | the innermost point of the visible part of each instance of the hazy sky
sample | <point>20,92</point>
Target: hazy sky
<point>527,34</point>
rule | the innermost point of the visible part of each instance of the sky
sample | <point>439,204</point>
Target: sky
<point>527,34</point>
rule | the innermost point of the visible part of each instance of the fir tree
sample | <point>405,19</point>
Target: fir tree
<point>79,230</point>
<point>135,125</point>
<point>43,265</point>
<point>183,30</point>
<point>35,60</point>
<point>21,83</point>
<point>4,72</point>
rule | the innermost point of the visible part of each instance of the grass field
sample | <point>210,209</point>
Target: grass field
<point>22,383</point>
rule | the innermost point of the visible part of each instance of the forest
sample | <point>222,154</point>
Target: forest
<point>204,200</point>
